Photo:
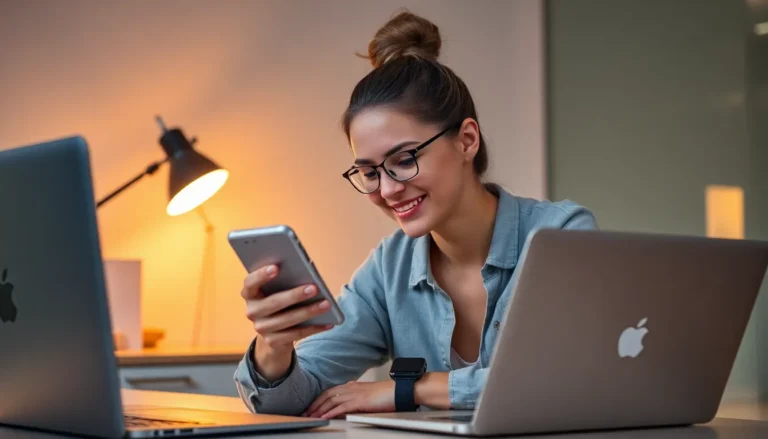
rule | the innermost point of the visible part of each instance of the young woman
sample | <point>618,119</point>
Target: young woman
<point>434,290</point>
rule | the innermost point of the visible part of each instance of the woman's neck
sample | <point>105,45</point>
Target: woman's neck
<point>465,239</point>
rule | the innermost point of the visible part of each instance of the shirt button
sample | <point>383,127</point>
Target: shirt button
<point>496,325</point>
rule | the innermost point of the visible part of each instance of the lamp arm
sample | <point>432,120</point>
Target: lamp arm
<point>151,169</point>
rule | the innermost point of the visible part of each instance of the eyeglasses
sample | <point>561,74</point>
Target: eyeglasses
<point>400,166</point>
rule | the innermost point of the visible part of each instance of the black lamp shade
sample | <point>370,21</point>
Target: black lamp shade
<point>186,167</point>
<point>194,177</point>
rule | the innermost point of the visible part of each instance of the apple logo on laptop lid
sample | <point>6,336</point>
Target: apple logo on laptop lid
<point>631,340</point>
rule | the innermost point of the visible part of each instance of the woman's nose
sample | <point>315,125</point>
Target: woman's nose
<point>389,186</point>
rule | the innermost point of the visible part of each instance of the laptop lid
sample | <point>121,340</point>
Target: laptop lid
<point>56,351</point>
<point>614,330</point>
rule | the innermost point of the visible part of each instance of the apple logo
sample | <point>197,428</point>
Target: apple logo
<point>631,340</point>
<point>7,308</point>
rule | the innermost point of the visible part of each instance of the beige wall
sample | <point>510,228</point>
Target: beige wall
<point>262,84</point>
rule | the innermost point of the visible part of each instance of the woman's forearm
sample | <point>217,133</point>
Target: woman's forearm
<point>432,391</point>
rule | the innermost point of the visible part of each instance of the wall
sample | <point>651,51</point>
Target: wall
<point>262,84</point>
<point>648,105</point>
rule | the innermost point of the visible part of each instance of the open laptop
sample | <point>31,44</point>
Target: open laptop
<point>610,330</point>
<point>56,350</point>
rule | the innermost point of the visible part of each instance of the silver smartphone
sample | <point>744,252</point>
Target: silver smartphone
<point>279,245</point>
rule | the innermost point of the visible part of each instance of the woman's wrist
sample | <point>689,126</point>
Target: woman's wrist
<point>270,364</point>
<point>432,390</point>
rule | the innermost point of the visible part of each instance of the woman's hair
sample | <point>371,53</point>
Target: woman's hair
<point>408,78</point>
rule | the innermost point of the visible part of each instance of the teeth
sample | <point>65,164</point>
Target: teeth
<point>408,206</point>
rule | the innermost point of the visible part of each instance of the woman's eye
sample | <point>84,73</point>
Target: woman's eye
<point>406,162</point>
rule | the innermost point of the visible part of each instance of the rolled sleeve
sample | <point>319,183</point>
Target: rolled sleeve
<point>465,386</point>
<point>287,396</point>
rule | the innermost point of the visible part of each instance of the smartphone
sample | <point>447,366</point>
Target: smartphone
<point>279,245</point>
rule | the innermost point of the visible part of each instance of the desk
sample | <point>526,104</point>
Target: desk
<point>164,356</point>
<point>756,412</point>
<point>752,411</point>
<point>747,427</point>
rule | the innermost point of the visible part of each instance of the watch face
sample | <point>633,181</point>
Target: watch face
<point>408,366</point>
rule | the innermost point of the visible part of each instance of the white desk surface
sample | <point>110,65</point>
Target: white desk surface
<point>147,397</point>
<point>743,425</point>
<point>748,422</point>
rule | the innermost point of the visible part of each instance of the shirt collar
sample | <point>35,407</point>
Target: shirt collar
<point>420,260</point>
<point>504,243</point>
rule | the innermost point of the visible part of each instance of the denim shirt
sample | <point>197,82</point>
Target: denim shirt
<point>394,308</point>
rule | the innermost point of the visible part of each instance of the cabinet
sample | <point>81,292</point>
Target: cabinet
<point>204,371</point>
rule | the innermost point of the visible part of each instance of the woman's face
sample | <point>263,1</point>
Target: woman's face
<point>423,203</point>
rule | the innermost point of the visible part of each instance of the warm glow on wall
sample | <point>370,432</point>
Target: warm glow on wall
<point>725,211</point>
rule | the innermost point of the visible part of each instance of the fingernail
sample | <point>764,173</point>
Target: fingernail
<point>271,269</point>
<point>309,290</point>
<point>324,304</point>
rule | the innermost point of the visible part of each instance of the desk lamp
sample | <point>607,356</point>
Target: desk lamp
<point>194,178</point>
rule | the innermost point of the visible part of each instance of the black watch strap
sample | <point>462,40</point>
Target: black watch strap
<point>404,398</point>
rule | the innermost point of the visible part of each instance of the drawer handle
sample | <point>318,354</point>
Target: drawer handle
<point>184,379</point>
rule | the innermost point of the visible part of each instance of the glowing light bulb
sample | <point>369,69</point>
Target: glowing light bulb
<point>197,192</point>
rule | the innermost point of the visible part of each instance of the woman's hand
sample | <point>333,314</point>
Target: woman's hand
<point>275,327</point>
<point>354,397</point>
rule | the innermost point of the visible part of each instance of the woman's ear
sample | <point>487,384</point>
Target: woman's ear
<point>469,139</point>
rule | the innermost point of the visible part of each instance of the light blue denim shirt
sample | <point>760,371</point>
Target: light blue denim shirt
<point>395,308</point>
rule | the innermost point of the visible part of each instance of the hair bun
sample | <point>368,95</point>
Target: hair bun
<point>405,34</point>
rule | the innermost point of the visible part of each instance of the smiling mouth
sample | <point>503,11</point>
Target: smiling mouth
<point>405,208</point>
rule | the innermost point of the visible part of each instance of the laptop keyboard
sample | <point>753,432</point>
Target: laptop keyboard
<point>142,422</point>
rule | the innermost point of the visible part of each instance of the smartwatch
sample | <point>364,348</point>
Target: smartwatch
<point>405,372</point>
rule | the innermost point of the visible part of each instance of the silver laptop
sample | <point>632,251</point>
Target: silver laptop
<point>611,330</point>
<point>56,352</point>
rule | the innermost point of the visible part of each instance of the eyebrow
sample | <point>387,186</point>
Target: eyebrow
<point>391,151</point>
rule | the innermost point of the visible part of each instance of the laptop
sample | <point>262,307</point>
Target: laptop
<point>611,330</point>
<point>56,350</point>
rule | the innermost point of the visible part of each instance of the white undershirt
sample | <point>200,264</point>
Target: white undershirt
<point>457,362</point>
